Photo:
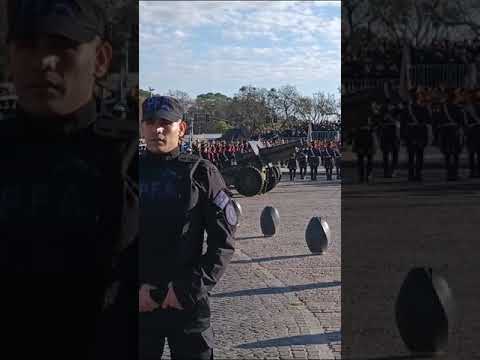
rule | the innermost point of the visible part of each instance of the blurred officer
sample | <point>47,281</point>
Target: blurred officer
<point>314,162</point>
<point>415,119</point>
<point>450,134</point>
<point>182,196</point>
<point>389,134</point>
<point>365,146</point>
<point>472,125</point>
<point>66,195</point>
<point>292,167</point>
<point>302,162</point>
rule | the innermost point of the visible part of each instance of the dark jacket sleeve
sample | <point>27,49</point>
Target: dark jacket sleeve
<point>220,233</point>
<point>201,279</point>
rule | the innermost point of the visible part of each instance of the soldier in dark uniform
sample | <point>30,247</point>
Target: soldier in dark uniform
<point>292,167</point>
<point>68,202</point>
<point>472,125</point>
<point>415,120</point>
<point>328,160</point>
<point>450,123</point>
<point>389,134</point>
<point>314,162</point>
<point>338,161</point>
<point>181,197</point>
<point>302,162</point>
<point>365,146</point>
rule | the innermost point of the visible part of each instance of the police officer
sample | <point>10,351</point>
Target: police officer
<point>66,194</point>
<point>181,197</point>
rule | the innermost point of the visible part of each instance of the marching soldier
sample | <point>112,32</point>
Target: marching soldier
<point>302,162</point>
<point>450,134</point>
<point>415,118</point>
<point>389,134</point>
<point>314,162</point>
<point>365,146</point>
<point>328,156</point>
<point>472,125</point>
<point>292,167</point>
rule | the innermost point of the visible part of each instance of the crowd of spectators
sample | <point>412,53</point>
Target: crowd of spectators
<point>226,153</point>
<point>375,57</point>
<point>300,131</point>
<point>369,56</point>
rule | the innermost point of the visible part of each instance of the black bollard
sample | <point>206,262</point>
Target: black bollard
<point>424,310</point>
<point>317,235</point>
<point>269,221</point>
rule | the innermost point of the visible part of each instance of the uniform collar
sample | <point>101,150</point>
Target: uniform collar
<point>41,126</point>
<point>172,155</point>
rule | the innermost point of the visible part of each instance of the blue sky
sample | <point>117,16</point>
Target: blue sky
<point>219,46</point>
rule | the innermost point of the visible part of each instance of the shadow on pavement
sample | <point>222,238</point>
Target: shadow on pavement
<point>277,290</point>
<point>315,339</point>
<point>273,258</point>
<point>251,237</point>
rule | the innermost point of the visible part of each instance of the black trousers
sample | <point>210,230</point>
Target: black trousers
<point>292,174</point>
<point>474,163</point>
<point>451,165</point>
<point>186,342</point>
<point>390,162</point>
<point>313,172</point>
<point>365,166</point>
<point>303,171</point>
<point>415,162</point>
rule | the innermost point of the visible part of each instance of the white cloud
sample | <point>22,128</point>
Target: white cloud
<point>299,43</point>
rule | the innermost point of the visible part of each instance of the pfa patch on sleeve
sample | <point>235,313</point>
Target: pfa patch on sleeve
<point>221,200</point>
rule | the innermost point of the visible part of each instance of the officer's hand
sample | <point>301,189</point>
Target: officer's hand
<point>171,301</point>
<point>145,302</point>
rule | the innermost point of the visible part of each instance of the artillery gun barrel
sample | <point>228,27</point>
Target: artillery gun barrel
<point>271,154</point>
<point>279,152</point>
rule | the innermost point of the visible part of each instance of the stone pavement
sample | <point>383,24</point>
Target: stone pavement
<point>393,226</point>
<point>277,300</point>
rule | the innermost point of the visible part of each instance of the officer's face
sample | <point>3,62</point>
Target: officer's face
<point>54,75</point>
<point>163,136</point>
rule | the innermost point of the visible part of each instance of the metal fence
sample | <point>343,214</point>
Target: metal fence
<point>326,135</point>
<point>432,75</point>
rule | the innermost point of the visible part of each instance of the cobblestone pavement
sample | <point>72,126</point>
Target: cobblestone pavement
<point>404,225</point>
<point>277,300</point>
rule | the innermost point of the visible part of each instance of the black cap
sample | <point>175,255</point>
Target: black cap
<point>77,20</point>
<point>162,107</point>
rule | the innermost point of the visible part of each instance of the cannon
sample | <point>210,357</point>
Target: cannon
<point>258,172</point>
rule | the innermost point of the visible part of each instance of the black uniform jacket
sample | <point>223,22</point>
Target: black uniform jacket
<point>182,197</point>
<point>63,194</point>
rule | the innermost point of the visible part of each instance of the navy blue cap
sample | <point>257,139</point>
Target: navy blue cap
<point>77,20</point>
<point>162,107</point>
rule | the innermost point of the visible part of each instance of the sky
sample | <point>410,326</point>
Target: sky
<point>219,46</point>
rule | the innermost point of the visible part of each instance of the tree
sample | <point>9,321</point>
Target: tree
<point>185,100</point>
<point>318,108</point>
<point>222,127</point>
<point>287,97</point>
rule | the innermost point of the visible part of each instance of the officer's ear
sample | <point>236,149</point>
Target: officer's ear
<point>183,126</point>
<point>103,58</point>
